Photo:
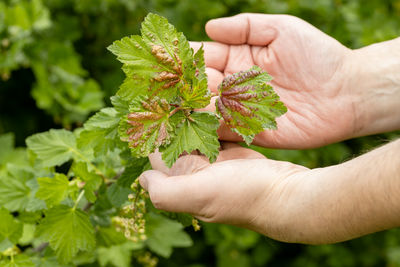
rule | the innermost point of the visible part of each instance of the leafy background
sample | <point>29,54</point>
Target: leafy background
<point>55,72</point>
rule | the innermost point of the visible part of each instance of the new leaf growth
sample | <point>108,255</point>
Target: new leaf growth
<point>165,82</point>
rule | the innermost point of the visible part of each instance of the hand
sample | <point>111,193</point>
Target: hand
<point>310,71</point>
<point>284,201</point>
<point>242,188</point>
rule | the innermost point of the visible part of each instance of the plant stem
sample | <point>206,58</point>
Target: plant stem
<point>78,199</point>
<point>175,110</point>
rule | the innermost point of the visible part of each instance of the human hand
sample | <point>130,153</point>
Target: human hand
<point>240,188</point>
<point>313,74</point>
<point>279,199</point>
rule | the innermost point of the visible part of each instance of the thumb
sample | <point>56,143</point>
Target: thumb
<point>252,29</point>
<point>173,193</point>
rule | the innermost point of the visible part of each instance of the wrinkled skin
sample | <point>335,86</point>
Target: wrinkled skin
<point>309,70</point>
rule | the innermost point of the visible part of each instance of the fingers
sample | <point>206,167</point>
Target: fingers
<point>157,163</point>
<point>253,29</point>
<point>187,164</point>
<point>168,193</point>
<point>215,77</point>
<point>234,151</point>
<point>215,54</point>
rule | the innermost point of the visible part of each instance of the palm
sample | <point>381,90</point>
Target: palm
<point>308,72</point>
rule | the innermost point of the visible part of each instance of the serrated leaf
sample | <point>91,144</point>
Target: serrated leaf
<point>10,230</point>
<point>68,231</point>
<point>34,204</point>
<point>17,190</point>
<point>92,180</point>
<point>120,103</point>
<point>101,132</point>
<point>147,126</point>
<point>53,190</point>
<point>157,63</point>
<point>196,94</point>
<point>198,132</point>
<point>163,234</point>
<point>54,147</point>
<point>13,193</point>
<point>247,104</point>
<point>105,118</point>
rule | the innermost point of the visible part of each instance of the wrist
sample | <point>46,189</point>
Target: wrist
<point>348,200</point>
<point>373,85</point>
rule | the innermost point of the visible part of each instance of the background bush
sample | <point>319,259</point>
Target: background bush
<point>55,72</point>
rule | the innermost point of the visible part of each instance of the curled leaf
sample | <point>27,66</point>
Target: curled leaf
<point>247,104</point>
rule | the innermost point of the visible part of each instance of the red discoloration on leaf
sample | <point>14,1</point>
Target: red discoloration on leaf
<point>138,116</point>
<point>162,133</point>
<point>225,114</point>
<point>245,96</point>
<point>166,76</point>
<point>236,106</point>
<point>145,123</point>
<point>237,90</point>
<point>238,78</point>
<point>162,56</point>
<point>170,84</point>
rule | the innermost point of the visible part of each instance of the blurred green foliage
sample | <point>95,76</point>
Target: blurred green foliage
<point>55,71</point>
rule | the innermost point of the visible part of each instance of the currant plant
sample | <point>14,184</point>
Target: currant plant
<point>166,81</point>
<point>74,198</point>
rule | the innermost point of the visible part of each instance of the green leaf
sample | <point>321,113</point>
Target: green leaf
<point>117,255</point>
<point>120,103</point>
<point>28,234</point>
<point>184,218</point>
<point>53,190</point>
<point>108,236</point>
<point>17,190</point>
<point>101,132</point>
<point>198,132</point>
<point>68,231</point>
<point>147,126</point>
<point>105,118</point>
<point>10,230</point>
<point>13,193</point>
<point>20,260</point>
<point>247,104</point>
<point>7,146</point>
<point>196,94</point>
<point>54,147</point>
<point>92,180</point>
<point>118,195</point>
<point>132,171</point>
<point>164,234</point>
<point>156,64</point>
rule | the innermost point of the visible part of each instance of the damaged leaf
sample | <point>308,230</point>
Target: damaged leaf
<point>247,104</point>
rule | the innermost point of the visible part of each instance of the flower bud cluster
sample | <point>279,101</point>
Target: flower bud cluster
<point>131,220</point>
<point>147,260</point>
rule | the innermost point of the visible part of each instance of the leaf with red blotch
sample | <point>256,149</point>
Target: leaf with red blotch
<point>247,104</point>
<point>157,63</point>
<point>148,125</point>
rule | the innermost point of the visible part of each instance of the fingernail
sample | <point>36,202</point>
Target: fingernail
<point>143,180</point>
